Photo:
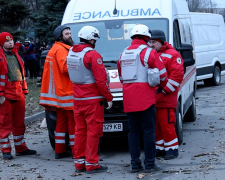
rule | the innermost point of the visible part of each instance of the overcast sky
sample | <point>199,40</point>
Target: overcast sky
<point>220,3</point>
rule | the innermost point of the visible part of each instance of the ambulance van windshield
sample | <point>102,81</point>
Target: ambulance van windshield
<point>115,35</point>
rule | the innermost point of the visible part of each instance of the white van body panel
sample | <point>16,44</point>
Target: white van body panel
<point>209,37</point>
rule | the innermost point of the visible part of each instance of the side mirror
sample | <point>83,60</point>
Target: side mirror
<point>186,51</point>
<point>43,56</point>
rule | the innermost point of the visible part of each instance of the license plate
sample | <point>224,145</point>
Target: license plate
<point>112,127</point>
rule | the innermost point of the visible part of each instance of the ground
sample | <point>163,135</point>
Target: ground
<point>201,155</point>
<point>32,99</point>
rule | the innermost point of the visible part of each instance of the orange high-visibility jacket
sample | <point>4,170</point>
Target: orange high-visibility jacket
<point>56,87</point>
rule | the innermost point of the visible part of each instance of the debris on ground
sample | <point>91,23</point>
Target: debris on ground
<point>205,154</point>
<point>141,175</point>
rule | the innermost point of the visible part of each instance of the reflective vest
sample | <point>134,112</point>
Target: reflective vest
<point>132,69</point>
<point>78,73</point>
<point>11,90</point>
<point>56,87</point>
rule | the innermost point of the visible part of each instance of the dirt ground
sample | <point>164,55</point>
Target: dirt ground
<point>32,99</point>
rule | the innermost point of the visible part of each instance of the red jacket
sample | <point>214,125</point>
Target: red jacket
<point>17,46</point>
<point>140,96</point>
<point>11,90</point>
<point>175,70</point>
<point>100,88</point>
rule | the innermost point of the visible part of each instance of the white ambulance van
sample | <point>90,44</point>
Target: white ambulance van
<point>115,20</point>
<point>209,39</point>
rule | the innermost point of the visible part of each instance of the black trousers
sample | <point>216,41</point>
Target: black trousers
<point>37,66</point>
<point>31,67</point>
<point>142,121</point>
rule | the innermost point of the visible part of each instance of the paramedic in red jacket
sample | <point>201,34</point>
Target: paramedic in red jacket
<point>166,98</point>
<point>139,96</point>
<point>13,88</point>
<point>90,88</point>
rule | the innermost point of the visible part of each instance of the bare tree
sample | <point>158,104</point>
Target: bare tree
<point>27,24</point>
<point>198,5</point>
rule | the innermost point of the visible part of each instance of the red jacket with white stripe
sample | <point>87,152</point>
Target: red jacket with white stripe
<point>11,90</point>
<point>140,96</point>
<point>175,71</point>
<point>88,92</point>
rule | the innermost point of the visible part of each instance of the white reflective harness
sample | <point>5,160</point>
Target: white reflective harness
<point>132,69</point>
<point>78,73</point>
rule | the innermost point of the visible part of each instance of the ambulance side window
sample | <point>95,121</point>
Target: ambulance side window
<point>176,34</point>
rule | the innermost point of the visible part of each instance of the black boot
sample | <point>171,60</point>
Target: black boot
<point>98,170</point>
<point>160,153</point>
<point>153,169</point>
<point>62,155</point>
<point>171,154</point>
<point>135,170</point>
<point>26,152</point>
<point>80,170</point>
<point>7,156</point>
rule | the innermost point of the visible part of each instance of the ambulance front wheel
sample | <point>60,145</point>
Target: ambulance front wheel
<point>190,115</point>
<point>179,124</point>
<point>52,142</point>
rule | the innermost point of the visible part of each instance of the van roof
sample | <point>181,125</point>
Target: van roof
<point>206,18</point>
<point>98,10</point>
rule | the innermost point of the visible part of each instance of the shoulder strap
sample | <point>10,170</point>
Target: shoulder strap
<point>142,46</point>
<point>87,49</point>
<point>147,53</point>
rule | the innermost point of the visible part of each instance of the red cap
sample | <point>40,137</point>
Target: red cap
<point>4,36</point>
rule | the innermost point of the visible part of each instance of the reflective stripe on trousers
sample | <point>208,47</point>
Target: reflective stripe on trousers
<point>90,164</point>
<point>71,137</point>
<point>4,140</point>
<point>60,134</point>
<point>60,141</point>
<point>6,145</point>
<point>171,142</point>
<point>18,137</point>
<point>79,161</point>
<point>19,143</point>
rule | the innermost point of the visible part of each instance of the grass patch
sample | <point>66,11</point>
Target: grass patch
<point>32,99</point>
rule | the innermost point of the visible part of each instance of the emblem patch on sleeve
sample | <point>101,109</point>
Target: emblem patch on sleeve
<point>99,61</point>
<point>179,60</point>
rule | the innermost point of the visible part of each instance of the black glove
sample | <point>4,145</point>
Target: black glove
<point>159,90</point>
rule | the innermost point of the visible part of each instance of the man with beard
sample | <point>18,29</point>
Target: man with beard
<point>13,88</point>
<point>57,91</point>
